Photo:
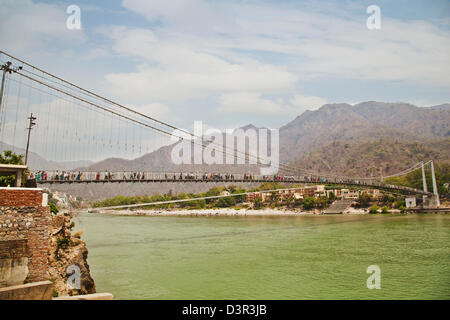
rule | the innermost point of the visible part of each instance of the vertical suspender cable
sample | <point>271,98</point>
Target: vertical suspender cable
<point>111,134</point>
<point>4,107</point>
<point>17,109</point>
<point>56,127</point>
<point>50,103</point>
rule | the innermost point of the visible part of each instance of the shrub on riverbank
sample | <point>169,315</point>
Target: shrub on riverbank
<point>225,202</point>
<point>63,242</point>
<point>308,203</point>
<point>374,209</point>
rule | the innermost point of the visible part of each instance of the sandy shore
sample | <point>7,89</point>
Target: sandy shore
<point>218,212</point>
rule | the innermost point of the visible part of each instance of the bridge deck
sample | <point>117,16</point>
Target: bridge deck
<point>376,185</point>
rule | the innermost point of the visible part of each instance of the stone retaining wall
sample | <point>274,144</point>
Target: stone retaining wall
<point>24,234</point>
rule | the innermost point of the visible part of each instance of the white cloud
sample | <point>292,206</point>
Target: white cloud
<point>321,44</point>
<point>234,57</point>
<point>400,51</point>
<point>190,16</point>
<point>248,102</point>
<point>27,25</point>
<point>97,53</point>
<point>253,103</point>
<point>302,103</point>
<point>178,71</point>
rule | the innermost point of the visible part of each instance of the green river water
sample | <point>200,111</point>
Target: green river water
<point>308,257</point>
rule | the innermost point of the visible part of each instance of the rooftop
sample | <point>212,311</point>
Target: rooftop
<point>12,168</point>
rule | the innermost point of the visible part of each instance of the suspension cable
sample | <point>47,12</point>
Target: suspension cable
<point>91,94</point>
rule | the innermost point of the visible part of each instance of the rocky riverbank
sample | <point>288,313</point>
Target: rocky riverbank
<point>67,250</point>
<point>220,212</point>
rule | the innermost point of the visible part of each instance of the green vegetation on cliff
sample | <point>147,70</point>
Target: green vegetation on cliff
<point>275,200</point>
<point>195,204</point>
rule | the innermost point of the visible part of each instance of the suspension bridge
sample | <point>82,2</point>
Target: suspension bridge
<point>63,122</point>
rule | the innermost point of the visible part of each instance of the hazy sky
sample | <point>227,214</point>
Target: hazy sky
<point>230,63</point>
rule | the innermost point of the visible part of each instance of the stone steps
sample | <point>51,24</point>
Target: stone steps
<point>339,206</point>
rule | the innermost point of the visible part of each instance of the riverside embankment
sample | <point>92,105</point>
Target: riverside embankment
<point>218,212</point>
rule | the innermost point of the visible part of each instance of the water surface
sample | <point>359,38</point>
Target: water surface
<point>309,257</point>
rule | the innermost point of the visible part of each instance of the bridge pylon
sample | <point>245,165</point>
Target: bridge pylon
<point>430,200</point>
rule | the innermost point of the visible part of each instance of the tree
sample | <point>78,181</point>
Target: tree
<point>225,202</point>
<point>183,196</point>
<point>308,203</point>
<point>364,199</point>
<point>9,157</point>
<point>273,197</point>
<point>332,196</point>
<point>298,202</point>
<point>257,204</point>
<point>321,202</point>
<point>213,192</point>
<point>388,199</point>
<point>399,202</point>
<point>235,190</point>
<point>198,204</point>
<point>384,209</point>
<point>289,202</point>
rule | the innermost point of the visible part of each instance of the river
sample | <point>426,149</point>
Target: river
<point>307,257</point>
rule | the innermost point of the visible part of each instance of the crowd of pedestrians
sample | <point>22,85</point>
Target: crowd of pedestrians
<point>55,176</point>
<point>137,175</point>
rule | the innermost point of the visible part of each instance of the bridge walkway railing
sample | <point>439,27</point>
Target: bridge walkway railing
<point>59,177</point>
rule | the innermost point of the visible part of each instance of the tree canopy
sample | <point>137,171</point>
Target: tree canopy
<point>9,157</point>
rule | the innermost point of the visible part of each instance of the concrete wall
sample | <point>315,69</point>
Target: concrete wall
<point>13,262</point>
<point>41,290</point>
<point>24,236</point>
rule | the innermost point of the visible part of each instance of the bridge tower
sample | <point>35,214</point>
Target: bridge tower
<point>424,179</point>
<point>435,198</point>
<point>430,201</point>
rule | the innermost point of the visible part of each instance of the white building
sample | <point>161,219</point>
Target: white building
<point>410,202</point>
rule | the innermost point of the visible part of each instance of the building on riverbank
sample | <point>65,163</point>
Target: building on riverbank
<point>344,193</point>
<point>312,191</point>
<point>285,194</point>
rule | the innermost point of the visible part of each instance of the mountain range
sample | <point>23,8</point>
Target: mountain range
<point>370,138</point>
<point>36,162</point>
<point>340,132</point>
